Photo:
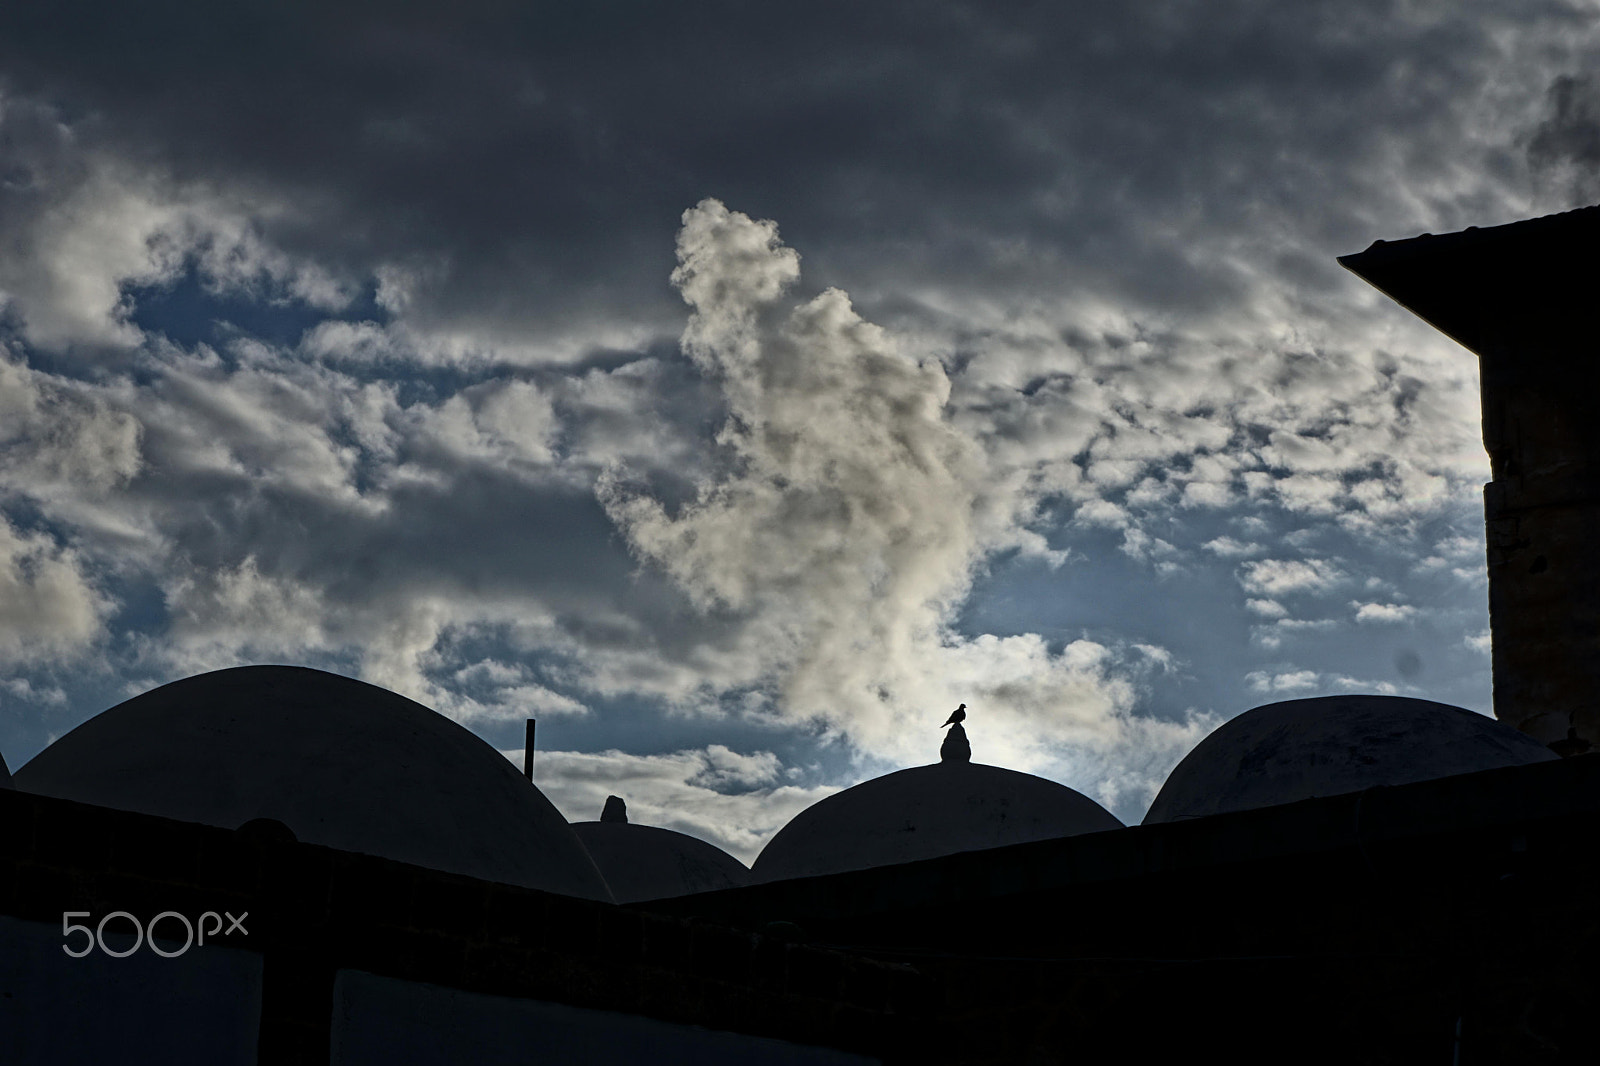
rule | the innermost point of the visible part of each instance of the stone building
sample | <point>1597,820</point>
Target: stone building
<point>1515,295</point>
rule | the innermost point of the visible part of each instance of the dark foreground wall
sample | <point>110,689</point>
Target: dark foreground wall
<point>1445,921</point>
<point>335,943</point>
<point>1417,923</point>
<point>379,1021</point>
<point>202,1007</point>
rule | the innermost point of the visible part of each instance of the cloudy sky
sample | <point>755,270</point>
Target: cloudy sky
<point>736,388</point>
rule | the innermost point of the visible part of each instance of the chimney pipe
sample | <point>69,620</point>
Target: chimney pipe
<point>527,751</point>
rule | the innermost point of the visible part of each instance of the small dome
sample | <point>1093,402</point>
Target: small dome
<point>925,812</point>
<point>642,862</point>
<point>340,762</point>
<point>1330,745</point>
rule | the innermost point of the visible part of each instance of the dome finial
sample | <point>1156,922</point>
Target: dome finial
<point>615,810</point>
<point>956,748</point>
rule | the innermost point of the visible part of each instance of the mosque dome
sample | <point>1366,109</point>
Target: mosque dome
<point>340,762</point>
<point>643,862</point>
<point>925,812</point>
<point>1329,745</point>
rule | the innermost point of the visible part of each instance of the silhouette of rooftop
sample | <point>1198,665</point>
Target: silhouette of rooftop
<point>926,811</point>
<point>1333,745</point>
<point>645,862</point>
<point>1495,285</point>
<point>339,762</point>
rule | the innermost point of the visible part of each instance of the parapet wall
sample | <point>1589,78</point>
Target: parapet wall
<point>315,913</point>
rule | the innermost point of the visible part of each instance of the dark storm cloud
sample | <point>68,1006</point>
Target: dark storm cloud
<point>1564,149</point>
<point>543,152</point>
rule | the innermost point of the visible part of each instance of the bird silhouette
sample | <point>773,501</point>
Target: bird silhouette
<point>956,716</point>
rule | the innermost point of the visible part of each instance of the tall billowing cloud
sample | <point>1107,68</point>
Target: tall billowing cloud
<point>845,524</point>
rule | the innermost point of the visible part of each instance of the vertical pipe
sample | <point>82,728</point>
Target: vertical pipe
<point>527,751</point>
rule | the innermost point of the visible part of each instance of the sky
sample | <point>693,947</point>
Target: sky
<point>737,388</point>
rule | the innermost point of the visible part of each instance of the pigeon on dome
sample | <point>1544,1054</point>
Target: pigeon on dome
<point>956,747</point>
<point>950,806</point>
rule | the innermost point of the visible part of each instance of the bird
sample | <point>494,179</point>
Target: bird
<point>956,716</point>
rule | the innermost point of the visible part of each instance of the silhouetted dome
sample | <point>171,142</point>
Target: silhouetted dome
<point>925,812</point>
<point>1329,745</point>
<point>643,862</point>
<point>340,762</point>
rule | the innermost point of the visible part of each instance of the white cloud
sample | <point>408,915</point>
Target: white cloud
<point>727,770</point>
<point>1265,681</point>
<point>491,672</point>
<point>1228,548</point>
<point>1461,548</point>
<point>1098,512</point>
<point>1352,684</point>
<point>1206,494</point>
<point>22,688</point>
<point>688,791</point>
<point>506,423</point>
<point>1384,613</point>
<point>1279,577</point>
<point>1309,493</point>
<point>1272,636</point>
<point>508,692</point>
<point>60,437</point>
<point>49,606</point>
<point>1137,544</point>
<point>222,617</point>
<point>1150,493</point>
<point>529,700</point>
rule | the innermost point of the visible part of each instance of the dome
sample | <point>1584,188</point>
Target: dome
<point>1329,745</point>
<point>340,762</point>
<point>642,862</point>
<point>925,812</point>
